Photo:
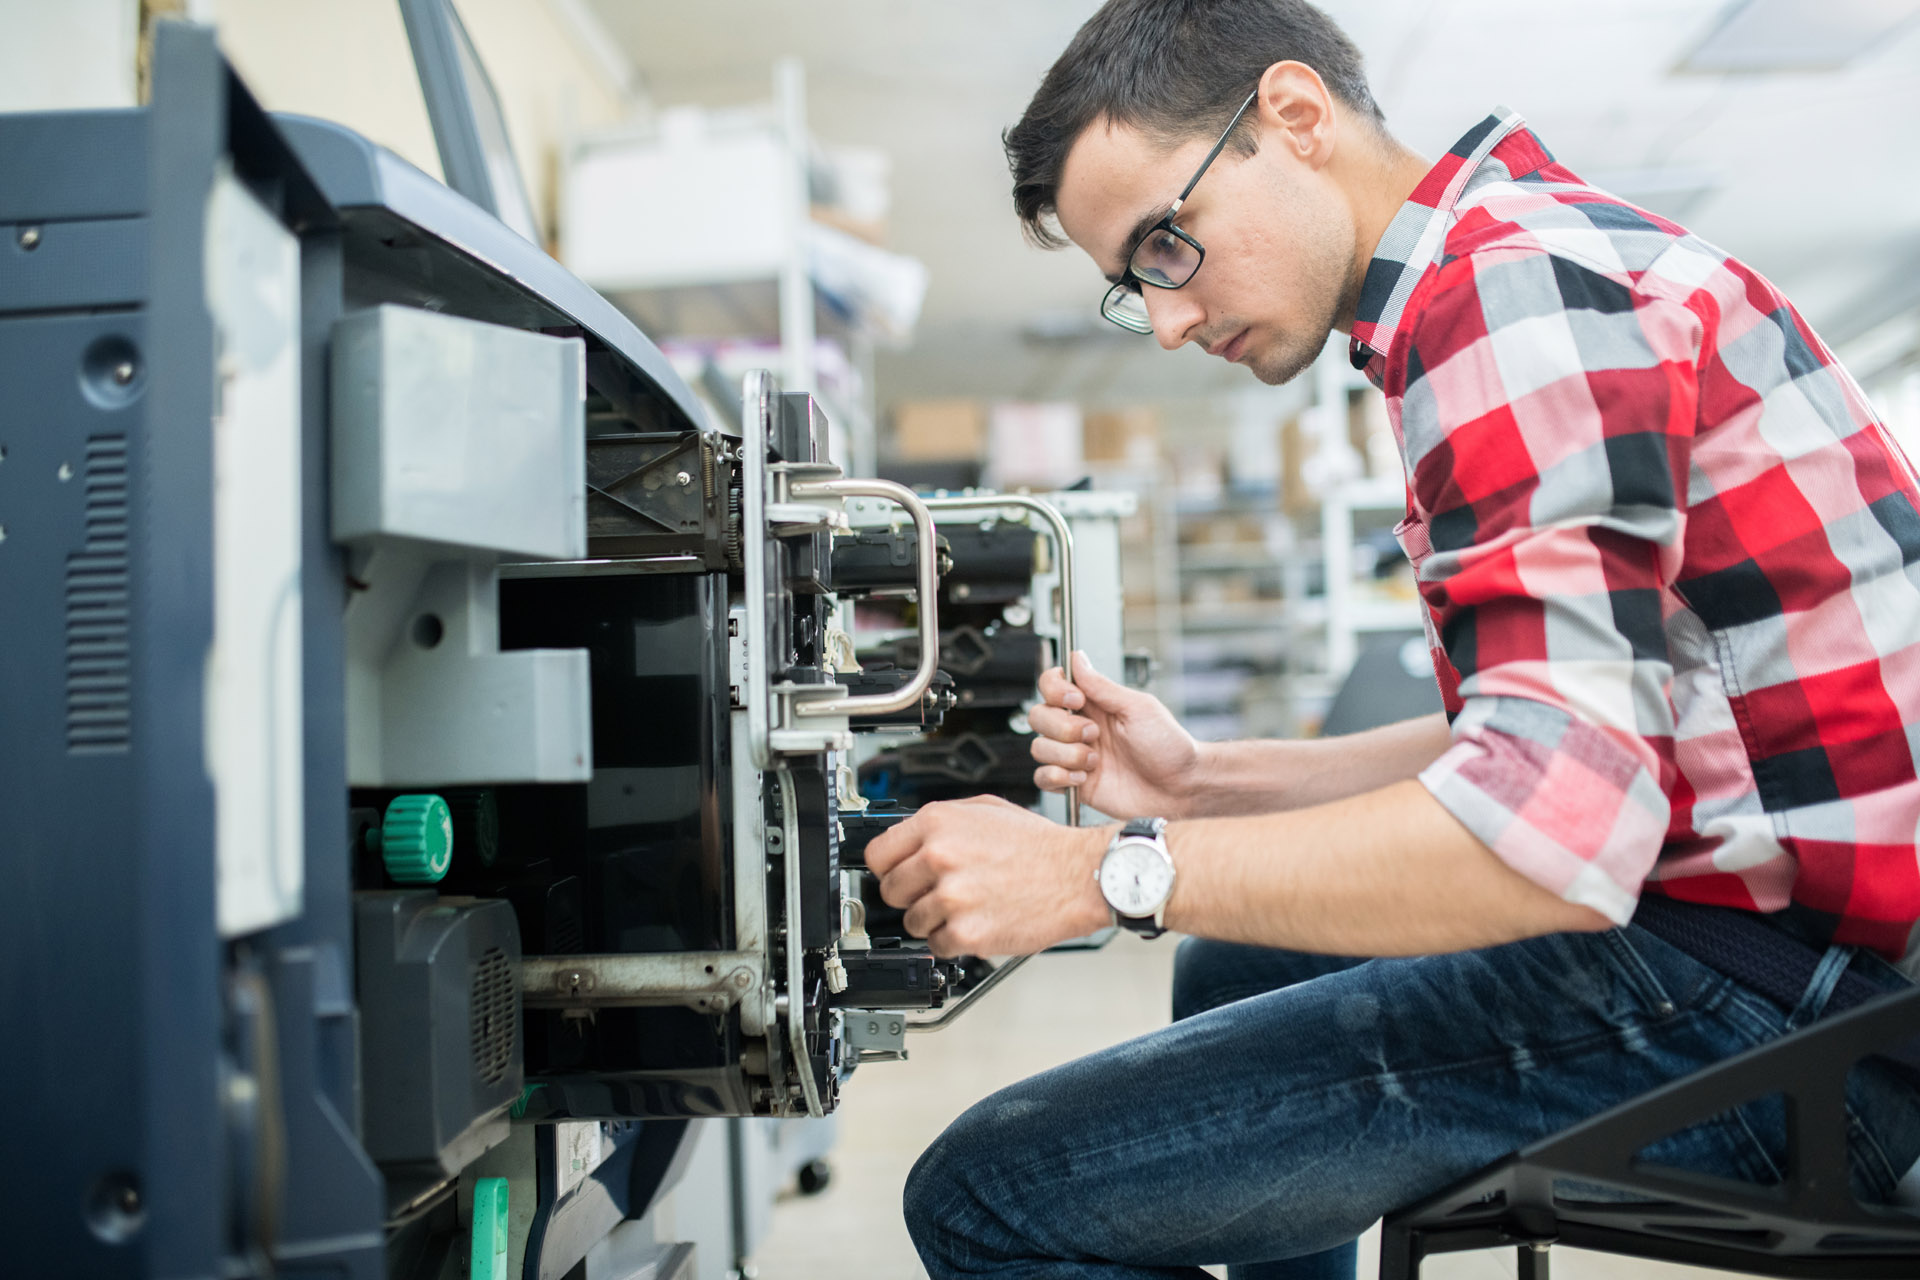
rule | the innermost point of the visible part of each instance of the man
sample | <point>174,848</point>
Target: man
<point>1664,550</point>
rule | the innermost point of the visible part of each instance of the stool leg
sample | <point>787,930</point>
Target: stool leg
<point>1399,1253</point>
<point>1533,1262</point>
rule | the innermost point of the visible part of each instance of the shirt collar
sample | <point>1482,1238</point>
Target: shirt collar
<point>1413,239</point>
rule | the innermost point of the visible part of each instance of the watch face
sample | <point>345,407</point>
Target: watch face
<point>1136,878</point>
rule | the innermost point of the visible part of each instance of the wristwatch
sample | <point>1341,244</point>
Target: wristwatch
<point>1136,877</point>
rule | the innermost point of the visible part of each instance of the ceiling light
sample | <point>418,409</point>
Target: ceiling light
<point>1796,35</point>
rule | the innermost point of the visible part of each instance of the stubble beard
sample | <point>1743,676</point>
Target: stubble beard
<point>1290,361</point>
<point>1340,286</point>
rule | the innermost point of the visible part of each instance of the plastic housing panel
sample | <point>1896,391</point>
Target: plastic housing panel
<point>455,432</point>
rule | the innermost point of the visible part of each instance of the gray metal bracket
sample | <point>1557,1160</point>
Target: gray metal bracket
<point>706,981</point>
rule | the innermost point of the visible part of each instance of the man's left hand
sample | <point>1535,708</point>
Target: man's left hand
<point>984,877</point>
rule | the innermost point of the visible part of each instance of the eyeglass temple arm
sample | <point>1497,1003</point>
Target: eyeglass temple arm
<point>1211,155</point>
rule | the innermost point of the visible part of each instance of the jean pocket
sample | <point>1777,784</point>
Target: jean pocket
<point>1883,1134</point>
<point>1655,1000</point>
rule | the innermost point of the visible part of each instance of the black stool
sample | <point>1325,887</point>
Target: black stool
<point>1809,1225</point>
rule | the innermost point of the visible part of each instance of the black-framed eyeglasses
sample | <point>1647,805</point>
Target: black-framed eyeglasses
<point>1165,256</point>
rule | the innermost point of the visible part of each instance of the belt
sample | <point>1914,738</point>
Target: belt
<point>1761,957</point>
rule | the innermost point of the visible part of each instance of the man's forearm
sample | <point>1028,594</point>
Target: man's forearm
<point>1386,873</point>
<point>1267,776</point>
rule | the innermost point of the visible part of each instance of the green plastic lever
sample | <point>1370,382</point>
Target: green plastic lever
<point>489,1254</point>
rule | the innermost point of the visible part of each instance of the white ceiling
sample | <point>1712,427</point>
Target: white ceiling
<point>1811,177</point>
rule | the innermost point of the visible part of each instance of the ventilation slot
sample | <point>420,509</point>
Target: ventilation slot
<point>564,935</point>
<point>492,1016</point>
<point>99,700</point>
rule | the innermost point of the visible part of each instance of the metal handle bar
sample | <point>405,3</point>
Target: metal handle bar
<point>946,1016</point>
<point>1062,536</point>
<point>1063,556</point>
<point>927,583</point>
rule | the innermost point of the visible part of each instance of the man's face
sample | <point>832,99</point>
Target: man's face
<point>1279,271</point>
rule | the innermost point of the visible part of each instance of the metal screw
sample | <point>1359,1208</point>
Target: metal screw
<point>123,372</point>
<point>29,238</point>
<point>242,1091</point>
<point>682,478</point>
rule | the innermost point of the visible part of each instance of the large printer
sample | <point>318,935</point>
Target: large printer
<point>437,760</point>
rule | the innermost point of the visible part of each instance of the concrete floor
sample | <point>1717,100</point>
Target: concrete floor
<point>1062,1006</point>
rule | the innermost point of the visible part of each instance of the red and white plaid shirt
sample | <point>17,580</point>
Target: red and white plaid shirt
<point>1669,556</point>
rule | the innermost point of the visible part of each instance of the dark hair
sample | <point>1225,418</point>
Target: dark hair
<point>1172,69</point>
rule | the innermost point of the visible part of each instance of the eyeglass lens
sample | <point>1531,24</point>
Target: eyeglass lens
<point>1127,308</point>
<point>1164,259</point>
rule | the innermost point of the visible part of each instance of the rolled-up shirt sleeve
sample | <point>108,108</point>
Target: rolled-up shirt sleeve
<point>1547,419</point>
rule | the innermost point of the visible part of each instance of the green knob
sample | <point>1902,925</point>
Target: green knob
<point>416,839</point>
<point>488,1260</point>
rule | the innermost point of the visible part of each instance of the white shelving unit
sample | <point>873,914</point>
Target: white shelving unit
<point>699,223</point>
<point>1207,647</point>
<point>1346,614</point>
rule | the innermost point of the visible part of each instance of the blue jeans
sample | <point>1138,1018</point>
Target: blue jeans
<point>1299,1098</point>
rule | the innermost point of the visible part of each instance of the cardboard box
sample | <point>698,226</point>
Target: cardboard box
<point>1224,530</point>
<point>1130,436</point>
<point>1296,447</point>
<point>940,430</point>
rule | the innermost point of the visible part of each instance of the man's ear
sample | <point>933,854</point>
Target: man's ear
<point>1297,113</point>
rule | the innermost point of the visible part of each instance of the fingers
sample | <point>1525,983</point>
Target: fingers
<point>906,859</point>
<point>1065,754</point>
<point>1051,777</point>
<point>895,845</point>
<point>946,943</point>
<point>909,882</point>
<point>1089,687</point>
<point>926,916</point>
<point>1062,764</point>
<point>1057,692</point>
<point>1062,726</point>
<point>1099,690</point>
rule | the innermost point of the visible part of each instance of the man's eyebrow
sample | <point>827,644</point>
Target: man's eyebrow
<point>1135,236</point>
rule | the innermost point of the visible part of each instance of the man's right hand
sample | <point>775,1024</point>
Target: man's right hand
<point>1121,747</point>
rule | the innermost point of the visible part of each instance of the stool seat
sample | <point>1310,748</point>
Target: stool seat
<point>1808,1225</point>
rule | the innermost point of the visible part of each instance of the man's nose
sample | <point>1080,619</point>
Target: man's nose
<point>1176,315</point>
